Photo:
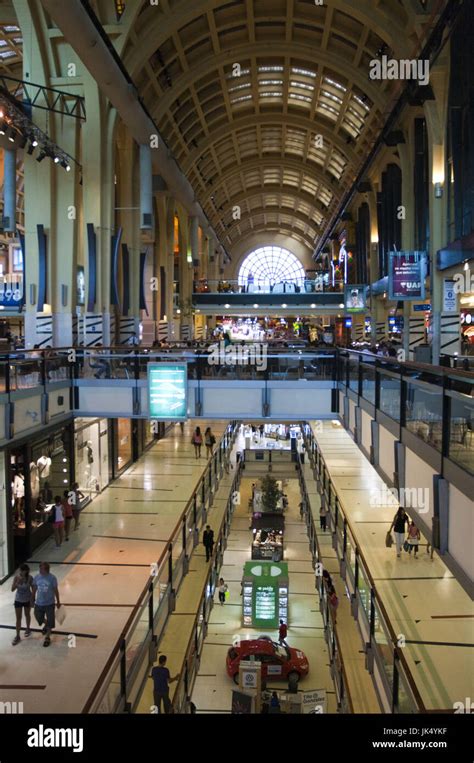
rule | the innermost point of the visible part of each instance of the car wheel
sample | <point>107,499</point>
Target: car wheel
<point>236,678</point>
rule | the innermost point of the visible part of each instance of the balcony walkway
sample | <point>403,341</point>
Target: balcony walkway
<point>423,600</point>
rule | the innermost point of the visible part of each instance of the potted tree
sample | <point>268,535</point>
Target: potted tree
<point>271,494</point>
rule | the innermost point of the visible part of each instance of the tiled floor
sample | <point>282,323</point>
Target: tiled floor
<point>213,688</point>
<point>423,600</point>
<point>101,573</point>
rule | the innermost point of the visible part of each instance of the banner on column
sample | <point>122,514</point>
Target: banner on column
<point>449,296</point>
<point>168,391</point>
<point>406,275</point>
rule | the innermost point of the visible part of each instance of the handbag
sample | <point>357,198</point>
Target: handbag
<point>389,540</point>
<point>406,546</point>
<point>61,614</point>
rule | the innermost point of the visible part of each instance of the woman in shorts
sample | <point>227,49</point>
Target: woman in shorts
<point>23,585</point>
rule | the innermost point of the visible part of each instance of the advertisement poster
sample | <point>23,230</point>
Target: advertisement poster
<point>168,391</point>
<point>80,286</point>
<point>242,704</point>
<point>314,702</point>
<point>355,299</point>
<point>406,275</point>
<point>449,297</point>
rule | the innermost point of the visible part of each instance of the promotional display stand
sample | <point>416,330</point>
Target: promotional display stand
<point>265,594</point>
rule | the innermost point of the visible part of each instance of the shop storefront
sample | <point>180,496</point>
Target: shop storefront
<point>91,451</point>
<point>35,472</point>
<point>121,446</point>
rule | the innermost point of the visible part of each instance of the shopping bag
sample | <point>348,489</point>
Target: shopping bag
<point>61,614</point>
<point>227,595</point>
<point>389,540</point>
<point>406,546</point>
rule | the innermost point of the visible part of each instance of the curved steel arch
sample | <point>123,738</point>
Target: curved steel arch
<point>272,210</point>
<point>279,229</point>
<point>361,11</point>
<point>280,120</point>
<point>279,163</point>
<point>263,50</point>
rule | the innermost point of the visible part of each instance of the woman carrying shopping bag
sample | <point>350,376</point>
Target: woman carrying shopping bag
<point>223,591</point>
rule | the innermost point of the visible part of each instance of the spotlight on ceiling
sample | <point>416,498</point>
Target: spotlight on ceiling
<point>42,155</point>
<point>66,166</point>
<point>56,159</point>
<point>34,142</point>
<point>31,149</point>
<point>12,135</point>
<point>2,128</point>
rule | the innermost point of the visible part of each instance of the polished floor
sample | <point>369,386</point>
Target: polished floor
<point>101,571</point>
<point>213,687</point>
<point>424,602</point>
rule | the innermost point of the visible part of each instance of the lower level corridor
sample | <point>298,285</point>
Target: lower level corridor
<point>101,572</point>
<point>213,687</point>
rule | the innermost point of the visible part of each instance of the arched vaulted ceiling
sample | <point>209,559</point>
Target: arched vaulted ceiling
<point>267,104</point>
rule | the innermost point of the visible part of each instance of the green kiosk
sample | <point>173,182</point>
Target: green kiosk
<point>265,594</point>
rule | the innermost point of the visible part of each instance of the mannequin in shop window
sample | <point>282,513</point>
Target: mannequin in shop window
<point>18,490</point>
<point>44,466</point>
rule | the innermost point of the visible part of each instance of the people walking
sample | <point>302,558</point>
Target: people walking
<point>23,585</point>
<point>323,513</point>
<point>223,589</point>
<point>398,526</point>
<point>58,521</point>
<point>413,539</point>
<point>44,593</point>
<point>161,681</point>
<point>197,442</point>
<point>210,441</point>
<point>75,497</point>
<point>208,541</point>
<point>282,633</point>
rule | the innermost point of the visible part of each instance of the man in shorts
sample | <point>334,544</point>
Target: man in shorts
<point>45,592</point>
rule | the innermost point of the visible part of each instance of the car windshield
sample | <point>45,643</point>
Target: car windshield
<point>281,651</point>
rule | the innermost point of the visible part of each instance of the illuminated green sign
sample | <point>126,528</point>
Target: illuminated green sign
<point>168,391</point>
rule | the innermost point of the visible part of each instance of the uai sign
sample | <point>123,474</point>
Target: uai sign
<point>406,275</point>
<point>167,391</point>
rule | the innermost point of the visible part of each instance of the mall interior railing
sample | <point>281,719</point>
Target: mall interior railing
<point>337,667</point>
<point>191,662</point>
<point>119,685</point>
<point>434,403</point>
<point>320,283</point>
<point>385,661</point>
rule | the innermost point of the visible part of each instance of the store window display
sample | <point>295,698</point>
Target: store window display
<point>49,474</point>
<point>91,456</point>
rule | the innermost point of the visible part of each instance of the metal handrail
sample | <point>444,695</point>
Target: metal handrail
<point>162,559</point>
<point>306,498</point>
<point>206,584</point>
<point>379,602</point>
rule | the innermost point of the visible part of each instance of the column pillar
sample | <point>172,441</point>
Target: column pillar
<point>9,191</point>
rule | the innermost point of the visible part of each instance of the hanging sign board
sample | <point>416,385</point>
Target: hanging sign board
<point>406,275</point>
<point>167,391</point>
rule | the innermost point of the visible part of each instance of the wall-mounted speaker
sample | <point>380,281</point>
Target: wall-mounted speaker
<point>33,294</point>
<point>64,295</point>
